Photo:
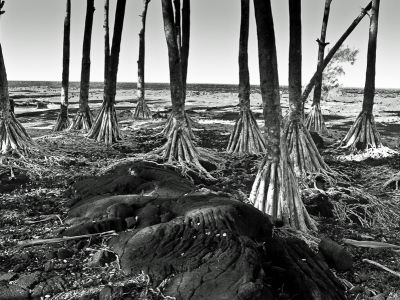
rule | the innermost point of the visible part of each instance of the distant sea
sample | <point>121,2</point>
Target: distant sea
<point>196,87</point>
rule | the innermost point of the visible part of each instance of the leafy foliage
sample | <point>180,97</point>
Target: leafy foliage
<point>335,69</point>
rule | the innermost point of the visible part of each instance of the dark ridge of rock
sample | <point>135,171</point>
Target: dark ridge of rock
<point>134,177</point>
<point>206,245</point>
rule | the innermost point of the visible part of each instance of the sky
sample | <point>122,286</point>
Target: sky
<point>31,34</point>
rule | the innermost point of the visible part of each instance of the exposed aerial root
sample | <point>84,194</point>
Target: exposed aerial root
<point>303,152</point>
<point>13,136</point>
<point>246,137</point>
<point>363,134</point>
<point>315,120</point>
<point>275,192</point>
<point>170,125</point>
<point>105,129</point>
<point>181,150</point>
<point>82,121</point>
<point>142,110</point>
<point>63,122</point>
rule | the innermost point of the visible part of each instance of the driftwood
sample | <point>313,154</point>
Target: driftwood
<point>381,266</point>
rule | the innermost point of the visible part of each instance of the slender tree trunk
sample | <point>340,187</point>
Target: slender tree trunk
<point>175,67</point>
<point>185,42</point>
<point>83,119</point>
<point>105,127</point>
<point>303,153</point>
<point>363,134</point>
<point>62,121</point>
<point>295,60</point>
<point>246,137</point>
<point>142,111</point>
<point>4,95</point>
<point>244,77</point>
<point>332,52</point>
<point>275,189</point>
<point>179,147</point>
<point>369,89</point>
<point>321,52</point>
<point>106,42</point>
<point>141,60</point>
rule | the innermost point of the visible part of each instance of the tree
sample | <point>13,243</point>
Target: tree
<point>105,128</point>
<point>179,146</point>
<point>315,121</point>
<point>363,134</point>
<point>246,137</point>
<point>275,190</point>
<point>330,81</point>
<point>63,119</point>
<point>303,153</point>
<point>332,52</point>
<point>182,32</point>
<point>142,110</point>
<point>13,136</point>
<point>83,119</point>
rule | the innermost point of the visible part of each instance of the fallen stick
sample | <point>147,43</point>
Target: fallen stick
<point>47,218</point>
<point>369,244</point>
<point>63,239</point>
<point>381,266</point>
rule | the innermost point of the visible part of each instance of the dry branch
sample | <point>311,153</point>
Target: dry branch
<point>381,266</point>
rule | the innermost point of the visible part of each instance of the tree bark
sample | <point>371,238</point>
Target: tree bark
<point>62,121</point>
<point>85,73</point>
<point>106,42</point>
<point>295,60</point>
<point>115,49</point>
<point>105,127</point>
<point>175,66</point>
<point>369,89</point>
<point>269,81</point>
<point>141,59</point>
<point>185,42</point>
<point>4,95</point>
<point>244,77</point>
<point>332,52</point>
<point>321,52</point>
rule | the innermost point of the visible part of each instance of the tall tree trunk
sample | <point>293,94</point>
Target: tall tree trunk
<point>142,111</point>
<point>13,137</point>
<point>185,42</point>
<point>303,153</point>
<point>63,120</point>
<point>321,52</point>
<point>275,189</point>
<point>83,119</point>
<point>106,124</point>
<point>179,147</point>
<point>295,60</point>
<point>332,52</point>
<point>246,137</point>
<point>106,41</point>
<point>363,134</point>
<point>315,120</point>
<point>369,88</point>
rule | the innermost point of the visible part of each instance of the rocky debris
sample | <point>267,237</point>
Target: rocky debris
<point>50,286</point>
<point>12,292</point>
<point>28,280</point>
<point>336,255</point>
<point>7,276</point>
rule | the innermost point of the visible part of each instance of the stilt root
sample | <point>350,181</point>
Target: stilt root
<point>246,137</point>
<point>275,192</point>
<point>105,128</point>
<point>315,120</point>
<point>142,110</point>
<point>363,134</point>
<point>82,121</point>
<point>303,153</point>
<point>13,136</point>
